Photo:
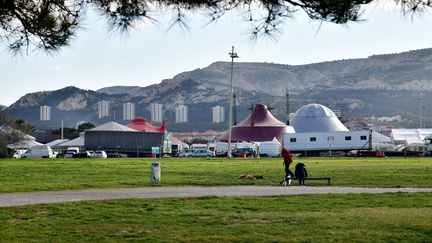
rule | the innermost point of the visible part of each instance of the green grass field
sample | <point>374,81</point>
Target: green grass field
<point>391,217</point>
<point>313,218</point>
<point>57,174</point>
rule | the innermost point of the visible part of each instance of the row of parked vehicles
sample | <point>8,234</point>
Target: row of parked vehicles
<point>241,152</point>
<point>243,149</point>
<point>43,151</point>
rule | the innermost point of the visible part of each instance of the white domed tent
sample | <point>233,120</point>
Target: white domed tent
<point>316,118</point>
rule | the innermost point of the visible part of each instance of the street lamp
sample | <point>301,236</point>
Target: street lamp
<point>232,55</point>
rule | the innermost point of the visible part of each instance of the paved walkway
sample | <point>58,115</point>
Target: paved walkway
<point>31,198</point>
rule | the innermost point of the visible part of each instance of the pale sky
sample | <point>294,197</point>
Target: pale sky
<point>150,54</point>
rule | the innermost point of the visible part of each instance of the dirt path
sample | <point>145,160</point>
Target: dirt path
<point>30,198</point>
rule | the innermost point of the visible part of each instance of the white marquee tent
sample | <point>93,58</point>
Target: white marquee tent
<point>410,136</point>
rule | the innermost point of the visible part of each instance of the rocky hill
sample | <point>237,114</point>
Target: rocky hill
<point>380,85</point>
<point>408,71</point>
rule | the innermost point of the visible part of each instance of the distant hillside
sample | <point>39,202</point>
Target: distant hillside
<point>72,104</point>
<point>120,90</point>
<point>380,85</point>
<point>408,71</point>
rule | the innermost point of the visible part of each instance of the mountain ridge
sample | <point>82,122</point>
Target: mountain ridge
<point>379,85</point>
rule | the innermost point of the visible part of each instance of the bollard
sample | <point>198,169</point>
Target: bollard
<point>155,173</point>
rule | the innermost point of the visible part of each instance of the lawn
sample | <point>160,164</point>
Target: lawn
<point>311,218</point>
<point>57,174</point>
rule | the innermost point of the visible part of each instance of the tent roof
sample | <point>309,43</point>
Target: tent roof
<point>410,136</point>
<point>77,142</point>
<point>57,142</point>
<point>113,126</point>
<point>27,143</point>
<point>380,138</point>
<point>316,118</point>
<point>140,124</point>
<point>259,126</point>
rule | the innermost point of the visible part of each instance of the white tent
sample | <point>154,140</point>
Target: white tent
<point>77,142</point>
<point>27,141</point>
<point>378,138</point>
<point>410,136</point>
<point>55,144</point>
<point>316,118</point>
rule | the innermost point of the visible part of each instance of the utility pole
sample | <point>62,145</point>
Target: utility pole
<point>234,109</point>
<point>421,110</point>
<point>287,106</point>
<point>233,55</point>
<point>61,130</point>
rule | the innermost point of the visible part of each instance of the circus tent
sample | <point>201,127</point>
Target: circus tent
<point>259,126</point>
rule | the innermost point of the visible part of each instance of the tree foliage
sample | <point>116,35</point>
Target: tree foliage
<point>51,24</point>
<point>85,126</point>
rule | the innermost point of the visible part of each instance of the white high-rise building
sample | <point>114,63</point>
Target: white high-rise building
<point>181,114</point>
<point>128,111</point>
<point>103,108</point>
<point>218,114</point>
<point>45,113</point>
<point>156,111</point>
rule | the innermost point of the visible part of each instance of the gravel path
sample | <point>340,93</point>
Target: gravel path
<point>31,198</point>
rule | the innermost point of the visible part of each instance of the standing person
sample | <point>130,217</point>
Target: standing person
<point>287,157</point>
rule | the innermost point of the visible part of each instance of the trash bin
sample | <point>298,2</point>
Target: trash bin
<point>155,173</point>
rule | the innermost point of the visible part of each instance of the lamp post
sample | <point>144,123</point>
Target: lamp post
<point>232,55</point>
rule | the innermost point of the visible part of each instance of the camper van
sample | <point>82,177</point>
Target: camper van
<point>40,151</point>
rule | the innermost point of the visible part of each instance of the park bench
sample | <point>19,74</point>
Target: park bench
<point>328,179</point>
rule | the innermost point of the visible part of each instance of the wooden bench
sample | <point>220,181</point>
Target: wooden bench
<point>328,179</point>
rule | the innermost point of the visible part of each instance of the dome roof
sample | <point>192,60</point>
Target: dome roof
<point>316,118</point>
<point>259,126</point>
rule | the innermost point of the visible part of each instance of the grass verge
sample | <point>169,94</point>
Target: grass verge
<point>48,174</point>
<point>310,218</point>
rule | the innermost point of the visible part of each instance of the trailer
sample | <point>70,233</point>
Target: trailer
<point>316,143</point>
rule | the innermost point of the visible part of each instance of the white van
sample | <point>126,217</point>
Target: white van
<point>71,151</point>
<point>270,148</point>
<point>40,151</point>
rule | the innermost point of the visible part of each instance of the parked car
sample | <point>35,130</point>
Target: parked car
<point>40,151</point>
<point>83,154</point>
<point>100,154</point>
<point>116,155</point>
<point>248,152</point>
<point>18,153</point>
<point>202,153</point>
<point>186,153</point>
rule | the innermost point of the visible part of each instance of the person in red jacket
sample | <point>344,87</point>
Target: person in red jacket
<point>287,157</point>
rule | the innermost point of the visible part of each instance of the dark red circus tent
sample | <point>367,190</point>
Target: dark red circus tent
<point>259,126</point>
<point>140,124</point>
